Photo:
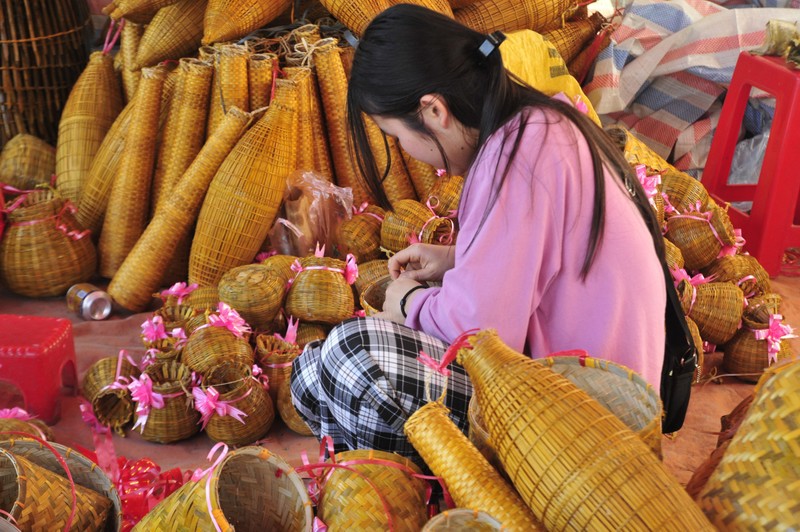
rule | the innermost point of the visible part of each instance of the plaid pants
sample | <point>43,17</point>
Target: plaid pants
<point>363,382</point>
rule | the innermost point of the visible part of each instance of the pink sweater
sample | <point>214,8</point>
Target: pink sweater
<point>521,273</point>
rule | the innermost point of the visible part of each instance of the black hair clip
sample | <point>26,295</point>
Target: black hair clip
<point>491,43</point>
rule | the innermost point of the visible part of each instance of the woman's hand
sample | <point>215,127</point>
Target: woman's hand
<point>422,262</point>
<point>394,294</point>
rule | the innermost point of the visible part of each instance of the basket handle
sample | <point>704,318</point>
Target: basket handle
<point>63,463</point>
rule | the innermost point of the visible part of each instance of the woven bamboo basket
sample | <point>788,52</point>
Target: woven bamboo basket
<point>198,321</point>
<point>716,308</point>
<point>288,412</point>
<point>44,46</point>
<point>230,84</point>
<point>355,15</point>
<point>275,357</point>
<point>141,272</point>
<point>27,161</point>
<point>229,20</point>
<point>579,67</point>
<point>760,308</point>
<point>176,316</point>
<point>754,486</point>
<point>573,36</point>
<point>235,384</point>
<point>251,490</point>
<point>349,502</point>
<point>470,478</point>
<point>445,194</point>
<point>423,176</point>
<point>697,340</point>
<point>746,356</point>
<point>309,332</point>
<point>182,139</point>
<point>587,470</point>
<point>374,295</point>
<point>462,519</point>
<point>320,295</point>
<point>94,103</point>
<point>210,346</point>
<point>368,273</point>
<point>396,183</point>
<point>44,250</point>
<point>409,219</point>
<point>738,269</point>
<point>174,32</point>
<point>177,420</point>
<point>637,152</point>
<point>479,436</point>
<point>255,294</point>
<point>244,196</point>
<point>699,240</point>
<point>128,204</point>
<point>458,4</point>
<point>659,205</point>
<point>673,256</point>
<point>487,16</point>
<point>361,234</point>
<point>130,39</point>
<point>84,472</point>
<point>259,78</point>
<point>683,191</point>
<point>112,407</point>
<point>333,92</point>
<point>280,266</point>
<point>305,132</point>
<point>36,427</point>
<point>38,499</point>
<point>136,10</point>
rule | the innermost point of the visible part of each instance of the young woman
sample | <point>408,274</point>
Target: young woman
<point>558,247</point>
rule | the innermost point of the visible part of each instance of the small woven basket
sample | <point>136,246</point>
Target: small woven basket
<point>210,346</point>
<point>36,427</point>
<point>459,519</point>
<point>176,316</point>
<point>310,332</point>
<point>111,406</point>
<point>744,270</point>
<point>177,420</point>
<point>411,219</point>
<point>251,490</point>
<point>673,256</point>
<point>716,308</point>
<point>445,194</point>
<point>683,190</point>
<point>280,266</point>
<point>274,356</point>
<point>637,152</point>
<point>747,356</point>
<point>487,16</point>
<point>374,295</point>
<point>44,250</point>
<point>235,384</point>
<point>229,20</point>
<point>38,499</point>
<point>174,32</point>
<point>27,161</point>
<point>361,234</point>
<point>320,295</point>
<point>254,292</point>
<point>755,485</point>
<point>700,240</point>
<point>84,472</point>
<point>288,412</point>
<point>203,298</point>
<point>349,502</point>
<point>760,308</point>
<point>369,272</point>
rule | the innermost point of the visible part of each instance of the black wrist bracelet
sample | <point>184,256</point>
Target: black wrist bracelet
<point>405,297</point>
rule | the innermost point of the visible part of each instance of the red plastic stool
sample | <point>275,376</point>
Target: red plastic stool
<point>37,356</point>
<point>771,225</point>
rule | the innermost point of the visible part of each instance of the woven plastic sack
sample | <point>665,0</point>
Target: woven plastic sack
<point>27,161</point>
<point>229,20</point>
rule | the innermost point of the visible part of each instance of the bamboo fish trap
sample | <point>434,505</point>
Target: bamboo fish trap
<point>27,161</point>
<point>128,48</point>
<point>355,15</point>
<point>229,20</point>
<point>255,294</point>
<point>173,33</point>
<point>230,83</point>
<point>136,10</point>
<point>487,16</point>
<point>112,406</point>
<point>260,70</point>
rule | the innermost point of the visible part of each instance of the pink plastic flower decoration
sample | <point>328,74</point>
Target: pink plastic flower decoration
<point>230,319</point>
<point>179,290</point>
<point>153,329</point>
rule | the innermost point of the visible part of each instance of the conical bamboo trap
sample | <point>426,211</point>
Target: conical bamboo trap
<point>260,71</point>
<point>470,478</point>
<point>173,33</point>
<point>246,192</point>
<point>755,485</point>
<point>131,9</point>
<point>44,50</point>
<point>128,204</point>
<point>572,38</point>
<point>140,274</point>
<point>112,406</point>
<point>374,296</point>
<point>27,161</point>
<point>487,16</point>
<point>93,105</point>
<point>573,462</point>
<point>228,20</point>
<point>356,15</point>
<point>255,294</point>
<point>251,490</point>
<point>130,39</point>
<point>230,84</point>
<point>305,132</point>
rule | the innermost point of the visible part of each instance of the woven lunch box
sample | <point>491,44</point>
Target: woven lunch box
<point>274,356</point>
<point>462,519</point>
<point>84,472</point>
<point>574,463</point>
<point>209,346</point>
<point>471,480</point>
<point>744,270</point>
<point>716,308</point>
<point>44,250</point>
<point>250,490</point>
<point>255,293</point>
<point>113,406</point>
<point>372,492</point>
<point>288,412</point>
<point>361,234</point>
<point>375,294</point>
<point>176,420</point>
<point>412,221</point>
<point>38,499</point>
<point>320,292</point>
<point>27,161</point>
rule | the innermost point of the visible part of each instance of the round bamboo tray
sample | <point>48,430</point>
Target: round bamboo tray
<point>176,420</point>
<point>250,490</point>
<point>254,292</point>
<point>27,161</point>
<point>288,412</point>
<point>84,472</point>
<point>111,406</point>
<point>373,297</point>
<point>320,295</point>
<point>210,346</point>
<point>462,519</point>
<point>44,46</point>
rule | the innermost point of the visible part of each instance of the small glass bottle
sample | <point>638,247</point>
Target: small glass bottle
<point>88,301</point>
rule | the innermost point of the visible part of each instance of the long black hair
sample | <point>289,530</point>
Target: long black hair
<point>408,51</point>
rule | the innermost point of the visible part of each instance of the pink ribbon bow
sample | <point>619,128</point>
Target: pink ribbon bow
<point>291,331</point>
<point>68,207</point>
<point>179,290</point>
<point>264,255</point>
<point>153,329</point>
<point>445,239</point>
<point>449,355</point>
<point>102,439</point>
<point>649,183</point>
<point>739,242</point>
<point>679,274</point>
<point>259,376</point>
<point>350,270</point>
<point>229,319</point>
<point>441,171</point>
<point>120,382</point>
<point>180,337</point>
<point>361,209</point>
<point>773,335</point>
<point>319,526</point>
<point>145,398</point>
<point>207,402</point>
<point>15,413</point>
